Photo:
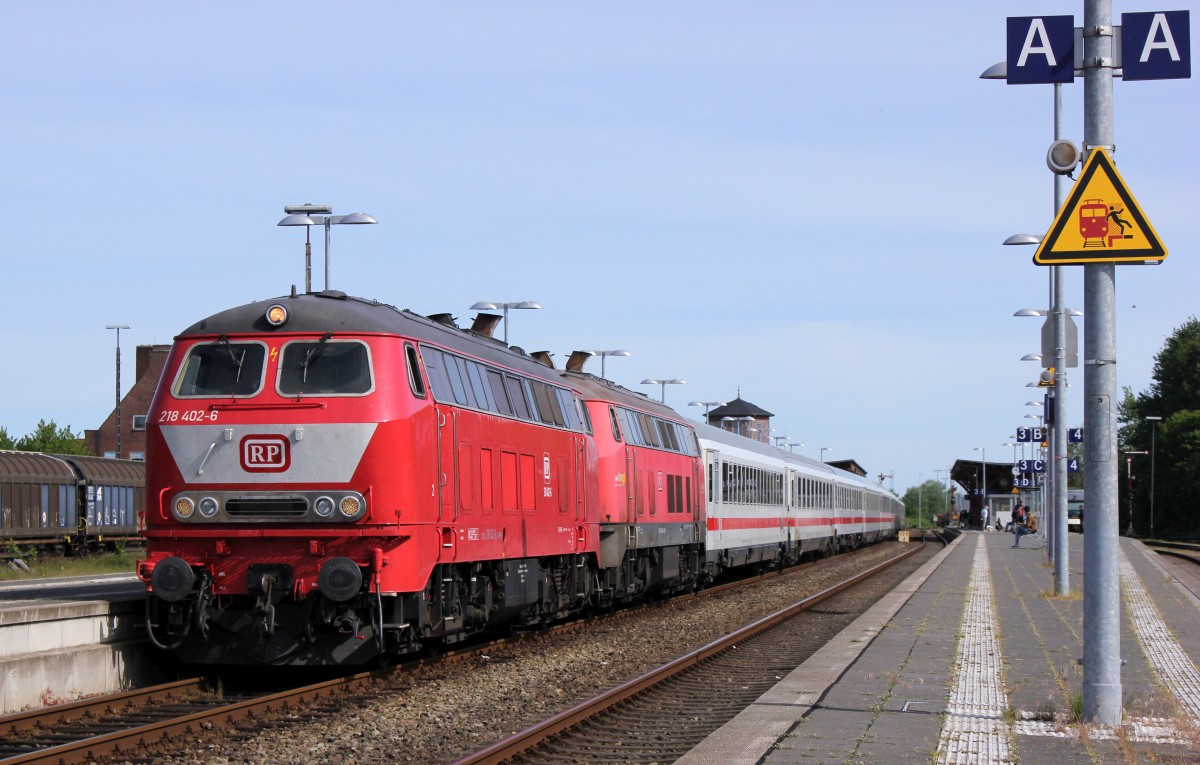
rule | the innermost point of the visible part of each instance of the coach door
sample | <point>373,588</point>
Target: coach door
<point>715,492</point>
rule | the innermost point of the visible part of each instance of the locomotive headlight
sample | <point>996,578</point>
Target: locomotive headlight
<point>184,507</point>
<point>208,507</point>
<point>350,507</point>
<point>277,315</point>
<point>323,507</point>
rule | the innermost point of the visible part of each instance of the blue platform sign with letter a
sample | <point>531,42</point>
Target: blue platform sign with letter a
<point>1156,46</point>
<point>1040,49</point>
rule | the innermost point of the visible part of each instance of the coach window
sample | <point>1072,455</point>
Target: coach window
<point>325,368</point>
<point>221,369</point>
<point>414,371</point>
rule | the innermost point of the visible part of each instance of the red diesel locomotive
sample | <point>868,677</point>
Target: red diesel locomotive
<point>331,480</point>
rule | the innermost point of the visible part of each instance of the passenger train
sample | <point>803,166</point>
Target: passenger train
<point>332,480</point>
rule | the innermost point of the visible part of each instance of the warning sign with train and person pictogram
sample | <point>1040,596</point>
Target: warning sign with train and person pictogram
<point>1100,223</point>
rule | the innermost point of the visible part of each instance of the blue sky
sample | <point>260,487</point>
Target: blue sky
<point>804,200</point>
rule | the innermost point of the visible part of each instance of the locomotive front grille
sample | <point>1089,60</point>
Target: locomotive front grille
<point>267,507</point>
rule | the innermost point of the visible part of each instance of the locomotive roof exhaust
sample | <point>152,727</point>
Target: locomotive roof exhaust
<point>443,318</point>
<point>485,323</point>
<point>577,360</point>
<point>544,357</point>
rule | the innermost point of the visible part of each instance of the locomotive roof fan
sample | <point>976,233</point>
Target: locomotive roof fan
<point>1063,157</point>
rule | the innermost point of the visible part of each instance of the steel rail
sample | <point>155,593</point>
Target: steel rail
<point>506,749</point>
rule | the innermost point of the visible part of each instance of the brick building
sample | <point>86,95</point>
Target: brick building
<point>135,404</point>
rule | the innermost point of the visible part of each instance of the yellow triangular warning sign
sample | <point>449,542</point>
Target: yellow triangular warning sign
<point>1100,223</point>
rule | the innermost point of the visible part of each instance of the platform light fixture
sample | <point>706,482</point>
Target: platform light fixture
<point>707,406</point>
<point>663,383</point>
<point>504,308</point>
<point>605,354</point>
<point>308,215</point>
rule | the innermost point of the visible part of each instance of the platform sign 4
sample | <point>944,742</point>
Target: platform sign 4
<point>1100,223</point>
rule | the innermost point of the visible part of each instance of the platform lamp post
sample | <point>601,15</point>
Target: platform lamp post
<point>605,354</point>
<point>1153,428</point>
<point>707,406</point>
<point>739,422</point>
<point>118,328</point>
<point>664,383</point>
<point>1062,158</point>
<point>983,461</point>
<point>318,215</point>
<point>823,450</point>
<point>499,306</point>
<point>791,445</point>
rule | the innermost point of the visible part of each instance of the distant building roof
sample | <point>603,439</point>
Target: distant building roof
<point>737,408</point>
<point>849,466</point>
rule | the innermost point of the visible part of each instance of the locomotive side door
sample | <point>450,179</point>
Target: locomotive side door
<point>447,477</point>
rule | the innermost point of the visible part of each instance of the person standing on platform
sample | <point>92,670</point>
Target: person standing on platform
<point>984,511</point>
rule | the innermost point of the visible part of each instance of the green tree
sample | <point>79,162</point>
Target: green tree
<point>6,441</point>
<point>1174,467</point>
<point>49,438</point>
<point>924,502</point>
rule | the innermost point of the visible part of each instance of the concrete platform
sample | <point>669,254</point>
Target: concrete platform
<point>974,660</point>
<point>59,650</point>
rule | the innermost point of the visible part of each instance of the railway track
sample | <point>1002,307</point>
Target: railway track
<point>143,725</point>
<point>661,715</point>
<point>92,729</point>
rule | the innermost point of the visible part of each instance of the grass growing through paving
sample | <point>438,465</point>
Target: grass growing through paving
<point>120,562</point>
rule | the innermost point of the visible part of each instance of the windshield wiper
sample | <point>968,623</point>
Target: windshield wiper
<point>313,354</point>
<point>237,360</point>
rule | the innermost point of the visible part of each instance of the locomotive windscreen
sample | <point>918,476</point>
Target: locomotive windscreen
<point>221,369</point>
<point>325,367</point>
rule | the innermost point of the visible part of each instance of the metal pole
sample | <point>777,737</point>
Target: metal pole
<point>1062,546</point>
<point>1102,585</point>
<point>118,328</point>
<point>327,224</point>
<point>1153,432</point>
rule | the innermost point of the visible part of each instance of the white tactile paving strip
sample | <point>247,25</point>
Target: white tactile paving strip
<point>1174,668</point>
<point>974,730</point>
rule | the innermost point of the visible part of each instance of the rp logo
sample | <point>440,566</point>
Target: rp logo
<point>265,454</point>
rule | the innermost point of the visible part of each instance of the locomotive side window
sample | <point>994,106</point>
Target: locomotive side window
<point>496,383</point>
<point>519,396</point>
<point>221,369</point>
<point>616,429</point>
<point>325,368</point>
<point>414,371</point>
<point>462,394</point>
<point>435,369</point>
<point>566,404</point>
